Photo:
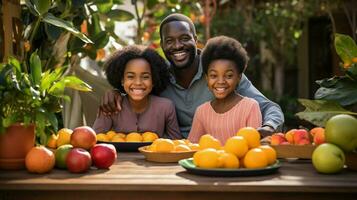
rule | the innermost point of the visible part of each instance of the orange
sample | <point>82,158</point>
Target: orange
<point>64,136</point>
<point>208,158</point>
<point>134,137</point>
<point>255,158</point>
<point>152,148</point>
<point>102,137</point>
<point>177,142</point>
<point>208,141</point>
<point>194,147</point>
<point>52,141</point>
<point>316,130</point>
<point>236,145</point>
<point>270,152</point>
<point>187,141</point>
<point>197,158</point>
<point>228,160</point>
<point>182,148</point>
<point>110,134</point>
<point>123,135</point>
<point>118,138</point>
<point>164,145</point>
<point>39,160</point>
<point>251,135</point>
<point>149,136</point>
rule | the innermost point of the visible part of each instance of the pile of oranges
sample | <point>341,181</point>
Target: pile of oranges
<point>167,145</point>
<point>112,136</point>
<point>242,150</point>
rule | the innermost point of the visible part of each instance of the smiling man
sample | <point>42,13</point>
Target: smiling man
<point>188,86</point>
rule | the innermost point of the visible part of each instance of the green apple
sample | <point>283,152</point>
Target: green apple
<point>328,158</point>
<point>342,131</point>
<point>61,154</point>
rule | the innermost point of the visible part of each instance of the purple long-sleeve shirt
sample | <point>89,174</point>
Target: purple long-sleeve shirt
<point>159,117</point>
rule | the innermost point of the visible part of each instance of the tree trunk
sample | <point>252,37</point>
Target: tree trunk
<point>11,27</point>
<point>279,79</point>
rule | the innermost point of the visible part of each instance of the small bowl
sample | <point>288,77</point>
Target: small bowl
<point>170,157</point>
<point>127,146</point>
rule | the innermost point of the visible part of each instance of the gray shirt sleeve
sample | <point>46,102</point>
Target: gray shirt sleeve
<point>272,113</point>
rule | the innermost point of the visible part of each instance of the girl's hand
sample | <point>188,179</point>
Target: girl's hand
<point>110,103</point>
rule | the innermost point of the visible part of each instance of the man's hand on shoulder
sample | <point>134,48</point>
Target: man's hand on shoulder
<point>110,103</point>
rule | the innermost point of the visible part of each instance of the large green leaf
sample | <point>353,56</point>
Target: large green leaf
<point>346,47</point>
<point>42,6</point>
<point>49,18</point>
<point>101,40</point>
<point>76,83</point>
<point>120,15</point>
<point>31,8</point>
<point>340,89</point>
<point>36,68</point>
<point>319,111</point>
<point>104,6</point>
<point>94,27</point>
<point>48,78</point>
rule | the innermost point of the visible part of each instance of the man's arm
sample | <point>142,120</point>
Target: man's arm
<point>273,116</point>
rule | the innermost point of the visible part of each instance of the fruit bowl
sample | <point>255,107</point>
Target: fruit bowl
<point>127,146</point>
<point>221,172</point>
<point>170,157</point>
<point>294,151</point>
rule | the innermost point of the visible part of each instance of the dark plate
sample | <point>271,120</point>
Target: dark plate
<point>191,168</point>
<point>127,146</point>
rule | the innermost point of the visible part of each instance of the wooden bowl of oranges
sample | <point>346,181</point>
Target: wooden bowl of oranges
<point>167,151</point>
<point>127,142</point>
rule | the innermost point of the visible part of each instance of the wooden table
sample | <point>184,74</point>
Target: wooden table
<point>131,177</point>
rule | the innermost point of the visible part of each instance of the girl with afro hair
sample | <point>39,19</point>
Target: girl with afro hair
<point>224,61</point>
<point>139,73</point>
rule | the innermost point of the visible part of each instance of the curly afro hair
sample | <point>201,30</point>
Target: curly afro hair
<point>223,47</point>
<point>115,67</point>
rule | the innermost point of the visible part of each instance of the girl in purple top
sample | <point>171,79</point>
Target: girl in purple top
<point>140,73</point>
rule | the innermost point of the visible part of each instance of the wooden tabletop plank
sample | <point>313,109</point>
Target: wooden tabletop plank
<point>132,173</point>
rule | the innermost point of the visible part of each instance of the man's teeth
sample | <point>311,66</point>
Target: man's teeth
<point>180,54</point>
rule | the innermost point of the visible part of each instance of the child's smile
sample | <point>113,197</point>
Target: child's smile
<point>137,81</point>
<point>222,78</point>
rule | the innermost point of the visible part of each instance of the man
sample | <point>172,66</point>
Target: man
<point>188,87</point>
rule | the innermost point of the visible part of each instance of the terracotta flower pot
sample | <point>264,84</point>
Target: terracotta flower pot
<point>14,145</point>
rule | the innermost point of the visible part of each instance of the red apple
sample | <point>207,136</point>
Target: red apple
<point>78,160</point>
<point>277,138</point>
<point>301,137</point>
<point>103,155</point>
<point>290,136</point>
<point>83,137</point>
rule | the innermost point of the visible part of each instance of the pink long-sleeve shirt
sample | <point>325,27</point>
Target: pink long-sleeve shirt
<point>225,125</point>
<point>159,117</point>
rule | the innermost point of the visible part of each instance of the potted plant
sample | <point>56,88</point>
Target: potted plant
<point>29,100</point>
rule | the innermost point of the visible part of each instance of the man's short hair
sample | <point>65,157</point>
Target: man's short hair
<point>177,17</point>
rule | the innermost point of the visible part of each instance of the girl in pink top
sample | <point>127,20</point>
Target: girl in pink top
<point>140,73</point>
<point>223,61</point>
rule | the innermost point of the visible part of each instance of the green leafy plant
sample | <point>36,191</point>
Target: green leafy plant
<point>336,92</point>
<point>32,96</point>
